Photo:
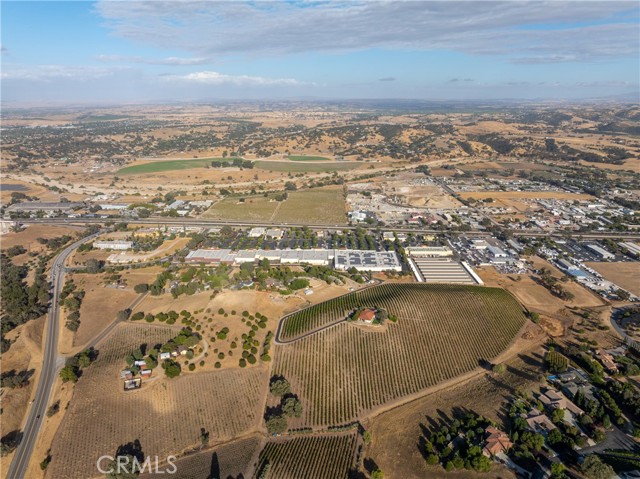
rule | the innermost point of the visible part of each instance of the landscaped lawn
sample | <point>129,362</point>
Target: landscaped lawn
<point>169,165</point>
<point>307,158</point>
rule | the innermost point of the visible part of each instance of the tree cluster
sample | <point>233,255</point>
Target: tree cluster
<point>21,302</point>
<point>457,445</point>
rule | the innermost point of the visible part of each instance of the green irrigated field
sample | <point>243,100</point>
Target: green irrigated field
<point>294,167</point>
<point>329,457</point>
<point>307,158</point>
<point>169,165</point>
<point>347,370</point>
<point>315,206</point>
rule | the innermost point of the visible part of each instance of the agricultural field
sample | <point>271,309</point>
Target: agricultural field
<point>315,206</point>
<point>102,416</point>
<point>254,208</point>
<point>233,459</point>
<point>307,158</point>
<point>395,432</point>
<point>348,370</point>
<point>319,457</point>
<point>168,165</point>
<point>311,206</point>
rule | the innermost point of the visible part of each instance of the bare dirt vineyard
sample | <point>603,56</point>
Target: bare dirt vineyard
<point>165,415</point>
<point>318,457</point>
<point>443,331</point>
<point>229,460</point>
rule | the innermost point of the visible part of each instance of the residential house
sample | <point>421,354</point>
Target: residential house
<point>126,374</point>
<point>539,422</point>
<point>496,442</point>
<point>367,315</point>
<point>607,361</point>
<point>140,362</point>
<point>272,283</point>
<point>164,356</point>
<point>555,399</point>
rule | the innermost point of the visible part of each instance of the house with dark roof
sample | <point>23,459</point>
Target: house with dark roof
<point>539,422</point>
<point>555,399</point>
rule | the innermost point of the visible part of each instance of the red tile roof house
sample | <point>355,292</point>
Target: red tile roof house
<point>367,315</point>
<point>496,441</point>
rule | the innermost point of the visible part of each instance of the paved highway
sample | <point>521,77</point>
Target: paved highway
<point>50,366</point>
<point>199,222</point>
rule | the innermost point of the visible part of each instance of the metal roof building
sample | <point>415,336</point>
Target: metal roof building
<point>210,256</point>
<point>367,260</point>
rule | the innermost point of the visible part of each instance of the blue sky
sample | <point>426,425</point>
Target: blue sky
<point>135,51</point>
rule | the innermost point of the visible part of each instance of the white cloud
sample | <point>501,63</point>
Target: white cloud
<point>177,61</point>
<point>216,78</point>
<point>232,28</point>
<point>55,72</point>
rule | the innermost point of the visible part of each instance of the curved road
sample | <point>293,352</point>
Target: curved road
<point>50,365</point>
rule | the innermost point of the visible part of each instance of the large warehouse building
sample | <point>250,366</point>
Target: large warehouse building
<point>367,260</point>
<point>341,259</point>
<point>120,245</point>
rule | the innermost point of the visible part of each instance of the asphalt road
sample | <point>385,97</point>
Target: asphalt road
<point>50,366</point>
<point>339,227</point>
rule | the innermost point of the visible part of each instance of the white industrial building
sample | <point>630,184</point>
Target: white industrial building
<point>274,233</point>
<point>367,260</point>
<point>433,251</point>
<point>364,260</point>
<point>211,256</point>
<point>175,205</point>
<point>120,245</point>
<point>114,206</point>
<point>257,232</point>
<point>479,244</point>
<point>201,204</point>
<point>600,252</point>
<point>496,252</point>
<point>631,247</point>
<point>391,236</point>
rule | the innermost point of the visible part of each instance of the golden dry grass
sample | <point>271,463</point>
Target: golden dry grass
<point>624,274</point>
<point>165,415</point>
